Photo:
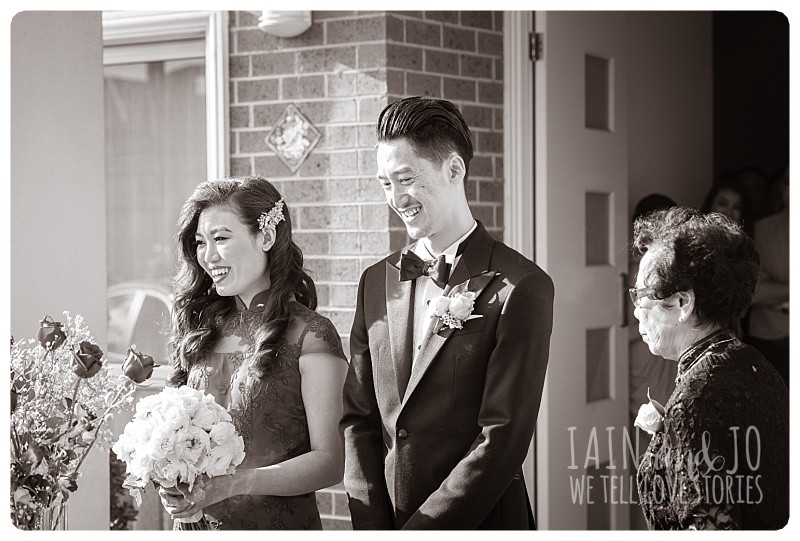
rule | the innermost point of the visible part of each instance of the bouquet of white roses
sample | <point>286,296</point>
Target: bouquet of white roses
<point>175,437</point>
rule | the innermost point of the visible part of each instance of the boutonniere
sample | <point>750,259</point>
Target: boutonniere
<point>454,309</point>
<point>651,416</point>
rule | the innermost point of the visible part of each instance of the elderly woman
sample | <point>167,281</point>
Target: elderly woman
<point>719,455</point>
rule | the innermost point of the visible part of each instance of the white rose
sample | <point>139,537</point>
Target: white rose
<point>205,418</point>
<point>440,305</point>
<point>222,432</point>
<point>461,306</point>
<point>651,416</point>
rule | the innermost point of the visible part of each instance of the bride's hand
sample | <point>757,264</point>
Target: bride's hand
<point>205,492</point>
<point>172,499</point>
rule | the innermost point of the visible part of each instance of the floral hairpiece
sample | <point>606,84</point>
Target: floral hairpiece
<point>273,217</point>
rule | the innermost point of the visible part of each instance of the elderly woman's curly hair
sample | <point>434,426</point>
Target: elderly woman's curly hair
<point>709,254</point>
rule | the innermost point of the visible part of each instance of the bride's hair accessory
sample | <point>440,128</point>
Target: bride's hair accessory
<point>273,217</point>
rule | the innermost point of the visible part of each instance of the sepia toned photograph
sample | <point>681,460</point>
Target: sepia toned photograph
<point>384,270</point>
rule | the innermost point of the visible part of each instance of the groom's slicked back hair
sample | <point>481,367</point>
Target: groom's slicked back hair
<point>434,127</point>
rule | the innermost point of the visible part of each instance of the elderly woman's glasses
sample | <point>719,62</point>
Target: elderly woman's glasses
<point>638,293</point>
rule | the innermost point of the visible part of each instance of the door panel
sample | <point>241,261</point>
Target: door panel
<point>581,234</point>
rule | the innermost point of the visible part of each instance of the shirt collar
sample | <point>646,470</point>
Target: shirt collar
<point>423,247</point>
<point>258,304</point>
<point>708,345</point>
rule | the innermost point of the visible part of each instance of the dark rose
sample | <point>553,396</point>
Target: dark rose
<point>138,366</point>
<point>87,360</point>
<point>50,335</point>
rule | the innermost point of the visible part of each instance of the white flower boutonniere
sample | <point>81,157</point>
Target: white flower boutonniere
<point>455,309</point>
<point>651,416</point>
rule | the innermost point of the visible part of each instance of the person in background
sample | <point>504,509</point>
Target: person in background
<point>768,328</point>
<point>719,454</point>
<point>728,197</point>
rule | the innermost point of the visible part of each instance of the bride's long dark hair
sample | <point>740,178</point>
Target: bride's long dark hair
<point>200,313</point>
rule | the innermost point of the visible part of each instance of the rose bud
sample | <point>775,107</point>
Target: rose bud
<point>87,360</point>
<point>137,366</point>
<point>50,335</point>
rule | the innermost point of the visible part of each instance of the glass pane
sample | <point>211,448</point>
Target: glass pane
<point>151,328</point>
<point>597,92</point>
<point>598,364</point>
<point>155,155</point>
<point>598,222</point>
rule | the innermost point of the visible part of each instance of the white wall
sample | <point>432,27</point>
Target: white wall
<point>58,241</point>
<point>670,106</point>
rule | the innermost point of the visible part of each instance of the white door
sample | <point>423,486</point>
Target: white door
<point>581,234</point>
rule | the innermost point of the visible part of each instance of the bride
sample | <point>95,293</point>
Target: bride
<point>245,330</point>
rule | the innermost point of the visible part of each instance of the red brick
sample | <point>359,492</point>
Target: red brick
<point>351,30</point>
<point>498,167</point>
<point>298,88</point>
<point>471,189</point>
<point>323,299</point>
<point>481,67</point>
<point>240,166</point>
<point>490,191</point>
<point>374,216</point>
<point>343,295</point>
<point>477,19</point>
<point>253,39</point>
<point>442,16</point>
<point>366,135</point>
<point>271,167</point>
<point>484,213</point>
<point>327,59</point>
<point>459,89</point>
<point>239,66</point>
<point>342,163</point>
<point>274,63</point>
<point>394,29</point>
<point>303,191</point>
<point>318,267</point>
<point>322,15</point>
<point>344,243</point>
<point>252,141</point>
<point>498,21</point>
<point>370,108</point>
<point>362,190</point>
<point>481,166</point>
<point>341,319</point>
<point>258,90</point>
<point>315,243</point>
<point>460,39</point>
<point>422,84</point>
<point>343,270</point>
<point>316,165</point>
<point>498,69</point>
<point>313,37</point>
<point>478,116</point>
<point>344,217</point>
<point>317,217</point>
<point>329,111</point>
<point>265,115</point>
<point>423,33</point>
<point>367,163</point>
<point>371,82</point>
<point>245,18</point>
<point>490,43</point>
<point>371,55</point>
<point>498,120</point>
<point>441,62</point>
<point>490,92</point>
<point>341,84</point>
<point>490,142</point>
<point>399,56</point>
<point>339,137</point>
<point>240,117</point>
<point>395,81</point>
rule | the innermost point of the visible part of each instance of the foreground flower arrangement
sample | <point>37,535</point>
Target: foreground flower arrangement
<point>176,437</point>
<point>63,395</point>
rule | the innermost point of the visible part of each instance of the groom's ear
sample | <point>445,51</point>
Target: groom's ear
<point>456,168</point>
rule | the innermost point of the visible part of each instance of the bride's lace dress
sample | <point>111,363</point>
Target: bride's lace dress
<point>268,412</point>
<point>696,473</point>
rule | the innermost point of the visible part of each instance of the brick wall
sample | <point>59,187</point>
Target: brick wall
<point>341,73</point>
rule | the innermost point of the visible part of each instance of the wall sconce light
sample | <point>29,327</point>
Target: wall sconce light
<point>285,24</point>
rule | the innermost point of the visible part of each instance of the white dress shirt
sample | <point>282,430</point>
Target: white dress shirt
<point>426,289</point>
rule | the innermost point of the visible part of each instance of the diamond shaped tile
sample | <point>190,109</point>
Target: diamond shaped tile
<point>292,137</point>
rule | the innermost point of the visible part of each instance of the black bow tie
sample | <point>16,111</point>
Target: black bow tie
<point>412,267</point>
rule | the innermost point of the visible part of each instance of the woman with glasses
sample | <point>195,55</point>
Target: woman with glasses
<point>719,454</point>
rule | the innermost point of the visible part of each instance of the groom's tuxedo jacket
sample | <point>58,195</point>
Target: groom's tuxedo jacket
<point>448,452</point>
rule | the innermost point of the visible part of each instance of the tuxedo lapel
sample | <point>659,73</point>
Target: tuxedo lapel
<point>472,266</point>
<point>399,315</point>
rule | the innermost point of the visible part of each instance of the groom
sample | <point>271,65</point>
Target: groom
<point>449,347</point>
